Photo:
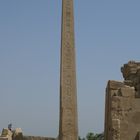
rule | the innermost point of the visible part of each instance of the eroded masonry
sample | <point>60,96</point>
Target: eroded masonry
<point>122,109</point>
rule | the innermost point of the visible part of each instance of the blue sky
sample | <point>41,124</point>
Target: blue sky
<point>107,36</point>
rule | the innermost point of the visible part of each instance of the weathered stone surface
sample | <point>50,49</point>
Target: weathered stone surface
<point>37,138</point>
<point>6,134</point>
<point>131,73</point>
<point>17,134</point>
<point>127,91</point>
<point>137,136</point>
<point>122,109</point>
<point>130,69</point>
<point>4,138</point>
<point>115,129</point>
<point>115,85</point>
<point>68,127</point>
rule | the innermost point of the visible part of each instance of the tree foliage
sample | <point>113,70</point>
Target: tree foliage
<point>92,136</point>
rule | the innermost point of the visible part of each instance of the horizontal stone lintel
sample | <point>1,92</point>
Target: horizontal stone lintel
<point>114,85</point>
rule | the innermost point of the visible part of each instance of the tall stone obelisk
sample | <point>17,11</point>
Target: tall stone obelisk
<point>68,127</point>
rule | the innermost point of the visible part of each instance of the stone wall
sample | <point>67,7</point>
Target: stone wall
<point>37,138</point>
<point>122,109</point>
<point>137,136</point>
<point>18,135</point>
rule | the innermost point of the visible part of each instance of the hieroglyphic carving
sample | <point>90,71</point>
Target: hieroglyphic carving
<point>68,105</point>
<point>68,16</point>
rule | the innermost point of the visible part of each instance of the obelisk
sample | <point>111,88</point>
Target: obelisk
<point>68,124</point>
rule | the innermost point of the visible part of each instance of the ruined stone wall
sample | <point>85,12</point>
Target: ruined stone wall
<point>37,138</point>
<point>18,135</point>
<point>122,109</point>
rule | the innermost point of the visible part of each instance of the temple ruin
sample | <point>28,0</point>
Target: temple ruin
<point>122,109</point>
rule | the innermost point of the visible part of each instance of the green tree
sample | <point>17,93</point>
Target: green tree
<point>90,136</point>
<point>81,138</point>
<point>99,136</point>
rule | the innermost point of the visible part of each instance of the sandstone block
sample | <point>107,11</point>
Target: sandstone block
<point>137,136</point>
<point>115,129</point>
<point>6,134</point>
<point>17,135</point>
<point>114,85</point>
<point>127,91</point>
